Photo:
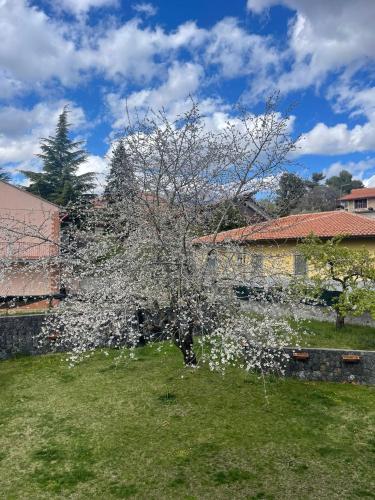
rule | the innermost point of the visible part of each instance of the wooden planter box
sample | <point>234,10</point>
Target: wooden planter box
<point>351,358</point>
<point>53,337</point>
<point>301,356</point>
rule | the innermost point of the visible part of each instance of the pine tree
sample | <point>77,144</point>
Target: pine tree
<point>4,176</point>
<point>121,179</point>
<point>291,188</point>
<point>58,181</point>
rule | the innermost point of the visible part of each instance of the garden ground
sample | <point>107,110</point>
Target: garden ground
<point>153,429</point>
<point>325,334</point>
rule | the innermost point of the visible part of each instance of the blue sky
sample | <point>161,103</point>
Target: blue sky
<point>98,54</point>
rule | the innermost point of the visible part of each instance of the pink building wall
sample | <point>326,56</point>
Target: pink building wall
<point>29,237</point>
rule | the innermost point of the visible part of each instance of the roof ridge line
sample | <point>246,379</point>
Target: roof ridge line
<point>32,194</point>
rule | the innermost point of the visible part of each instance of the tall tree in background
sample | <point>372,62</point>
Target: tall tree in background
<point>344,182</point>
<point>291,189</point>
<point>4,176</point>
<point>58,181</point>
<point>318,197</point>
<point>121,179</point>
<point>316,179</point>
<point>297,195</point>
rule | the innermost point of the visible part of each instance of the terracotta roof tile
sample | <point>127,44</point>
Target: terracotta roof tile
<point>357,194</point>
<point>322,224</point>
<point>28,251</point>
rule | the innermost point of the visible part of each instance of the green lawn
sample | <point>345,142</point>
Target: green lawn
<point>324,334</point>
<point>154,430</point>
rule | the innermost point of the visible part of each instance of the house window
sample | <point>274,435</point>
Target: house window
<point>300,265</point>
<point>10,250</point>
<point>360,203</point>
<point>241,258</point>
<point>257,263</point>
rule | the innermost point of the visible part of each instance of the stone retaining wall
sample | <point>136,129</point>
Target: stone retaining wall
<point>335,365</point>
<point>17,335</point>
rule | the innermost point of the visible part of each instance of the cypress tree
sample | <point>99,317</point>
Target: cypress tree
<point>58,181</point>
<point>3,175</point>
<point>121,179</point>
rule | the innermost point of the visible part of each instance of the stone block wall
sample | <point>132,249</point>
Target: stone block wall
<point>17,335</point>
<point>330,365</point>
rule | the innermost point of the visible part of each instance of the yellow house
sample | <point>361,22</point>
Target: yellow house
<point>270,248</point>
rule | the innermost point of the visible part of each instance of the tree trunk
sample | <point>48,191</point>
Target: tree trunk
<point>340,321</point>
<point>185,342</point>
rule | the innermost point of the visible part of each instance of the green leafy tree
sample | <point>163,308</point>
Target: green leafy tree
<point>233,218</point>
<point>332,266</point>
<point>121,179</point>
<point>318,198</point>
<point>316,179</point>
<point>344,182</point>
<point>58,181</point>
<point>291,188</point>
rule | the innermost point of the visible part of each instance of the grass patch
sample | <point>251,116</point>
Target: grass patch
<point>155,430</point>
<point>325,334</point>
<point>167,398</point>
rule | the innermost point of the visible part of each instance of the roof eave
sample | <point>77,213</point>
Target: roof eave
<point>32,194</point>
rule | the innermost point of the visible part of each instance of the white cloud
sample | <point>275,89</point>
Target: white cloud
<point>370,182</point>
<point>237,52</point>
<point>36,49</point>
<point>33,48</point>
<point>21,130</point>
<point>99,166</point>
<point>78,7</point>
<point>9,86</point>
<point>358,169</point>
<point>258,6</point>
<point>139,54</point>
<point>145,8</point>
<point>182,79</point>
<point>338,139</point>
<point>94,163</point>
<point>353,98</point>
<point>324,37</point>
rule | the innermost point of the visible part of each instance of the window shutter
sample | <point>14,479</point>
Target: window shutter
<point>300,265</point>
<point>257,263</point>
